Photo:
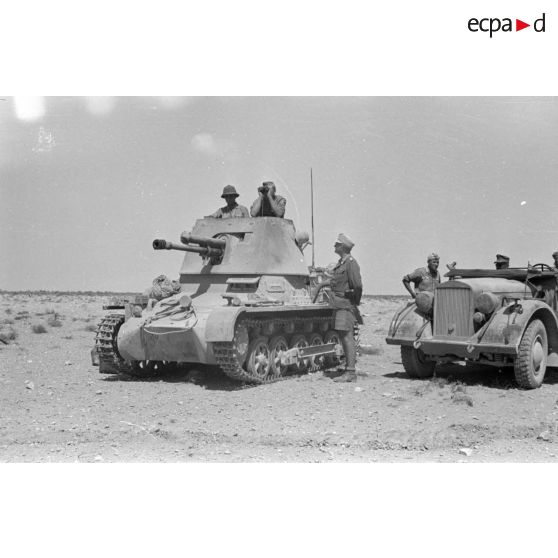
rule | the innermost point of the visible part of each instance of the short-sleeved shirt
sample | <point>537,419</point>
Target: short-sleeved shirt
<point>423,279</point>
<point>228,213</point>
<point>346,277</point>
<point>265,208</point>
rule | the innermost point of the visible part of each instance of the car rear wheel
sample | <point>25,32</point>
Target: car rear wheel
<point>530,363</point>
<point>416,364</point>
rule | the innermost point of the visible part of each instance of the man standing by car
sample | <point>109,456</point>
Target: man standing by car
<point>424,278</point>
<point>346,287</point>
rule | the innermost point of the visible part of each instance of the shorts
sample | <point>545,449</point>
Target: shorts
<point>344,320</point>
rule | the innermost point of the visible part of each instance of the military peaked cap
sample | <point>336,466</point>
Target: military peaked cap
<point>345,240</point>
<point>500,258</point>
<point>433,256</point>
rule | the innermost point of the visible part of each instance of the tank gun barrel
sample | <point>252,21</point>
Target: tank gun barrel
<point>160,244</point>
<point>204,241</point>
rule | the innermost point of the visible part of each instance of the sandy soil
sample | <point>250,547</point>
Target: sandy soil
<point>56,407</point>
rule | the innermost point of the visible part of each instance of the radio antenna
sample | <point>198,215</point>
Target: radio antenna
<point>312,213</point>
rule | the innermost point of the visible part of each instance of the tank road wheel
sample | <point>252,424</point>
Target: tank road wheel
<point>316,362</point>
<point>530,363</point>
<point>416,364</point>
<point>332,337</point>
<point>277,346</point>
<point>258,362</point>
<point>300,341</point>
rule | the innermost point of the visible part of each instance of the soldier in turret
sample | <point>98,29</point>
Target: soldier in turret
<point>346,286</point>
<point>555,258</point>
<point>268,203</point>
<point>502,262</point>
<point>424,278</point>
<point>232,209</point>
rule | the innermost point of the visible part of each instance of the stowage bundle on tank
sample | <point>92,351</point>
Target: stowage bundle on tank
<point>245,303</point>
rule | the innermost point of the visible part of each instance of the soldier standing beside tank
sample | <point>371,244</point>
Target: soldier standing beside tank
<point>232,209</point>
<point>346,286</point>
<point>502,262</point>
<point>424,278</point>
<point>268,204</point>
<point>555,258</point>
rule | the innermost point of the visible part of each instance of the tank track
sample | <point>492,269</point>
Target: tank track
<point>225,353</point>
<point>110,361</point>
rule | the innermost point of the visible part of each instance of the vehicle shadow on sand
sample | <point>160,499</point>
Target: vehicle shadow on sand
<point>206,377</point>
<point>478,375</point>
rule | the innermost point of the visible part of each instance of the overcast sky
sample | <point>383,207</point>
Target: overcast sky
<point>87,183</point>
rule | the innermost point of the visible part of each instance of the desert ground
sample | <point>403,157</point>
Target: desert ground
<point>56,407</point>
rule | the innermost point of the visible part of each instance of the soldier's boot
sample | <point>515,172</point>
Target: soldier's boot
<point>348,376</point>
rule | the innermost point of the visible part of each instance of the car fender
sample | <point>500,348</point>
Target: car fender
<point>508,324</point>
<point>407,324</point>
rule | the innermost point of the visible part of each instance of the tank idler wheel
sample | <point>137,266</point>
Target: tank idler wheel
<point>300,341</point>
<point>416,364</point>
<point>316,362</point>
<point>258,363</point>
<point>530,363</point>
<point>277,346</point>
<point>146,368</point>
<point>332,337</point>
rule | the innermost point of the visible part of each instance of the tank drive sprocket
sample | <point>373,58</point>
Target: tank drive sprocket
<point>110,361</point>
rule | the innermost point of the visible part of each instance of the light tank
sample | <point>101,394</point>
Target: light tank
<point>246,304</point>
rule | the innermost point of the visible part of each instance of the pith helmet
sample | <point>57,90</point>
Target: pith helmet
<point>345,240</point>
<point>500,258</point>
<point>229,191</point>
<point>554,254</point>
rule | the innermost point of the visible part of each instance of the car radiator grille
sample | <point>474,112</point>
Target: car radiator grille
<point>453,313</point>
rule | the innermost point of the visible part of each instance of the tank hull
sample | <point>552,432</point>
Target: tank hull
<point>248,311</point>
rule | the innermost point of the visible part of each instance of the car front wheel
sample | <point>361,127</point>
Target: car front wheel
<point>530,363</point>
<point>416,364</point>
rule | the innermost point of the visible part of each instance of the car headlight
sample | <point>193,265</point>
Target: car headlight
<point>424,301</point>
<point>487,303</point>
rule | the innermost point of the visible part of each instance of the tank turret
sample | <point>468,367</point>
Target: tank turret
<point>244,305</point>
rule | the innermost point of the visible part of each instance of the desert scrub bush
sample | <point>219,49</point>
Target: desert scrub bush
<point>8,334</point>
<point>7,321</point>
<point>38,328</point>
<point>460,395</point>
<point>8,311</point>
<point>90,327</point>
<point>53,321</point>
